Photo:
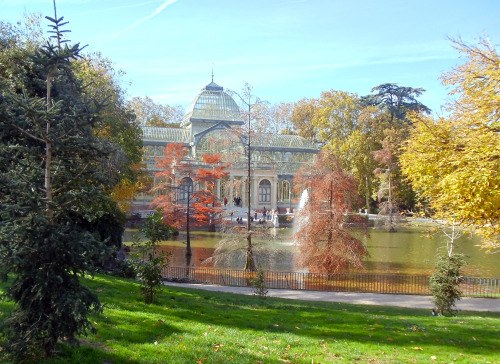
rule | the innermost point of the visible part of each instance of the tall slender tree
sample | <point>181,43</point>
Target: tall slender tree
<point>52,177</point>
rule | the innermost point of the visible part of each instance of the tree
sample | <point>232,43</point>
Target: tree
<point>453,166</point>
<point>325,242</point>
<point>248,135</point>
<point>273,119</point>
<point>207,207</point>
<point>388,209</point>
<point>117,124</point>
<point>397,100</point>
<point>335,119</point>
<point>174,194</point>
<point>453,162</point>
<point>149,263</point>
<point>361,144</point>
<point>445,282</point>
<point>53,173</point>
<point>149,113</point>
<point>302,116</point>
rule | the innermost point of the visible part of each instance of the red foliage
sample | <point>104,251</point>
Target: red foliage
<point>171,167</point>
<point>207,208</point>
<point>326,243</point>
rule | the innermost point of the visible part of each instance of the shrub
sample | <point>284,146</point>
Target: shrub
<point>445,283</point>
<point>149,262</point>
<point>259,284</point>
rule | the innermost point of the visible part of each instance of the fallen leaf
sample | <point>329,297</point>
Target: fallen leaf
<point>417,348</point>
<point>433,357</point>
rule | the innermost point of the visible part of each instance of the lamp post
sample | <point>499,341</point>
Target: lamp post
<point>250,263</point>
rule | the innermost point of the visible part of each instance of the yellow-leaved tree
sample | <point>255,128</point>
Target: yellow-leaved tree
<point>454,162</point>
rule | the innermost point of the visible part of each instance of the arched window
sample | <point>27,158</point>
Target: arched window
<point>278,157</point>
<point>299,157</point>
<point>267,157</point>
<point>256,156</point>
<point>265,191</point>
<point>288,157</point>
<point>185,189</point>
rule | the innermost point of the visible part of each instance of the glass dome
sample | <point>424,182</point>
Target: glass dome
<point>212,103</point>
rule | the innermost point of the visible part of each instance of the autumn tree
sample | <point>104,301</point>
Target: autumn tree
<point>273,118</point>
<point>325,242</point>
<point>117,124</point>
<point>335,119</point>
<point>52,181</point>
<point>150,113</point>
<point>361,143</point>
<point>302,119</point>
<point>454,162</point>
<point>174,191</point>
<point>207,207</point>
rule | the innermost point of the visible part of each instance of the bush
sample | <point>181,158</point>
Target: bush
<point>445,283</point>
<point>149,263</point>
<point>125,269</point>
<point>259,284</point>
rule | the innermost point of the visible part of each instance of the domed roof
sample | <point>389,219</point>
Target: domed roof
<point>212,104</point>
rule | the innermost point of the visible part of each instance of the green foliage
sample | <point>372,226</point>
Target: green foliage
<point>445,283</point>
<point>149,263</point>
<point>397,100</point>
<point>53,173</point>
<point>259,284</point>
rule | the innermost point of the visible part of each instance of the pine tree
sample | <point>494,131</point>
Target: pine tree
<point>52,175</point>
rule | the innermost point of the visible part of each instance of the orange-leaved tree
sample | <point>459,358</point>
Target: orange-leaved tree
<point>326,244</point>
<point>174,190</point>
<point>207,207</point>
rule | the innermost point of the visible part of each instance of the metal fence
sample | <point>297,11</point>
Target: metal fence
<point>338,282</point>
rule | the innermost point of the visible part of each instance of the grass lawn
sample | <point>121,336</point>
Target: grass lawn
<point>196,326</point>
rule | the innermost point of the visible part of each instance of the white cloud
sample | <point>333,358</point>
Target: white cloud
<point>158,10</point>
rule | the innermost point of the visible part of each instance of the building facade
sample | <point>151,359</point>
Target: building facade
<point>213,124</point>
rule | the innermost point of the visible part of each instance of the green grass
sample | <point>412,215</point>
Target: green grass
<point>196,326</point>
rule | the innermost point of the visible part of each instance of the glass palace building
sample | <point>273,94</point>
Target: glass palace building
<point>213,124</point>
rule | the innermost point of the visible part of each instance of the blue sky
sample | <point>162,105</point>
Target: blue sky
<point>287,49</point>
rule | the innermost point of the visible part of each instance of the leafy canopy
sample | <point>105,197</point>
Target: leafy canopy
<point>454,162</point>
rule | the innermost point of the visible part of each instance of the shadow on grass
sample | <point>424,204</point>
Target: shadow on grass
<point>191,325</point>
<point>322,321</point>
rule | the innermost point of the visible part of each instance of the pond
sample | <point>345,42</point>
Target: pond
<point>406,251</point>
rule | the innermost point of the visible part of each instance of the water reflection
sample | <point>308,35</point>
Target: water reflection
<point>404,252</point>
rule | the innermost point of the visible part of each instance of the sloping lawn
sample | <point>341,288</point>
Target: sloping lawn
<point>196,326</point>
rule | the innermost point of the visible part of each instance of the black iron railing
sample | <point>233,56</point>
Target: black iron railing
<point>338,282</point>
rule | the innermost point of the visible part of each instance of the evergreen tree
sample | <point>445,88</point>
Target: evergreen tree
<point>52,176</point>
